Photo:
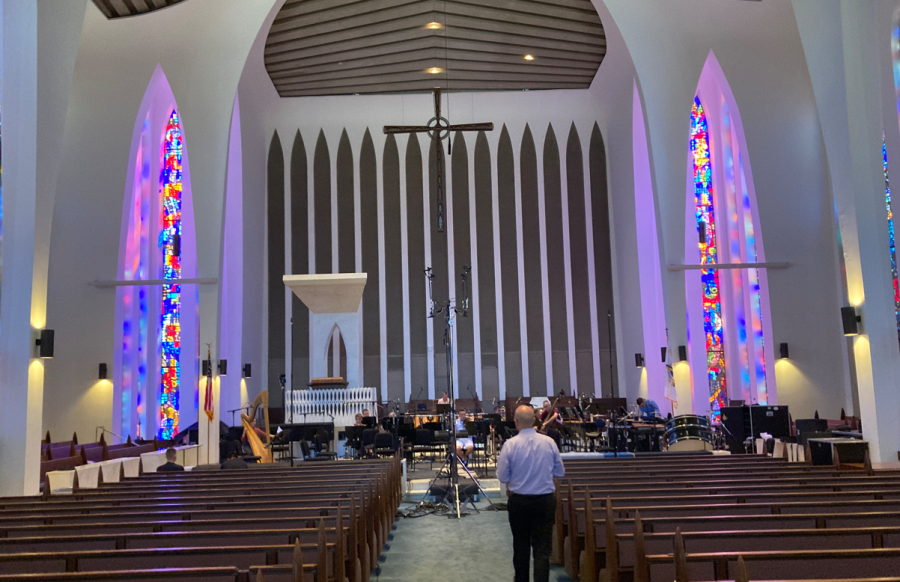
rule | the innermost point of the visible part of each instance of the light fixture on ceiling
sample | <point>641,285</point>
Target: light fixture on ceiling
<point>434,26</point>
<point>529,57</point>
<point>435,70</point>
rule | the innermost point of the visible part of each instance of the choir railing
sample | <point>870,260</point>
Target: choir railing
<point>321,405</point>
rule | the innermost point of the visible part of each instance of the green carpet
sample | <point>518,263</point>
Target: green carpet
<point>434,548</point>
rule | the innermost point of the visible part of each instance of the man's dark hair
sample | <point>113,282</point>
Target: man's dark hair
<point>171,455</point>
<point>640,401</point>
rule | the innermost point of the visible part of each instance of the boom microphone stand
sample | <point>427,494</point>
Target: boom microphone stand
<point>452,462</point>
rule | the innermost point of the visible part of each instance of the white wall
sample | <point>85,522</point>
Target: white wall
<point>759,49</point>
<point>201,46</point>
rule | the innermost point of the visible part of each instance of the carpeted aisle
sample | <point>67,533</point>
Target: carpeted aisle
<point>477,548</point>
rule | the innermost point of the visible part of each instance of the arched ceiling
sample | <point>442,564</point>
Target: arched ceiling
<point>121,8</point>
<point>338,47</point>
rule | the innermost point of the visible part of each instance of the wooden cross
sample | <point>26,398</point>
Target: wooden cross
<point>438,128</point>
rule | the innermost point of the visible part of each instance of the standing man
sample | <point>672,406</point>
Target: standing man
<point>528,463</point>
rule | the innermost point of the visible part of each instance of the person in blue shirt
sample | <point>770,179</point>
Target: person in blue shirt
<point>464,445</point>
<point>649,409</point>
<point>528,464</point>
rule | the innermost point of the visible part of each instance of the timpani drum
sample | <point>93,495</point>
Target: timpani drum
<point>419,420</point>
<point>689,432</point>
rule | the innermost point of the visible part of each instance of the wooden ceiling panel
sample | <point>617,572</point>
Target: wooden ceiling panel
<point>334,47</point>
<point>123,8</point>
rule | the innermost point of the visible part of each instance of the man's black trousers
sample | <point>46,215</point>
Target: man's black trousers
<point>531,519</point>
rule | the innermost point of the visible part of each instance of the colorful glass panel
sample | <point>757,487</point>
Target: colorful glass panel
<point>170,243</point>
<point>706,221</point>
<point>890,219</point>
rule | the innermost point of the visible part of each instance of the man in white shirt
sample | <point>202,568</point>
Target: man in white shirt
<point>528,463</point>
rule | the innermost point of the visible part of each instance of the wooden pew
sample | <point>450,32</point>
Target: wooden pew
<point>378,488</point>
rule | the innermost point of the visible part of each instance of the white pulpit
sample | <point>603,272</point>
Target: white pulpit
<point>333,302</point>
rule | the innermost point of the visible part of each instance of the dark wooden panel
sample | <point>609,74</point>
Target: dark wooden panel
<point>439,265</point>
<point>418,311</point>
<point>581,303</point>
<point>300,260</point>
<point>275,244</point>
<point>556,263</point>
<point>368,194</point>
<point>531,249</point>
<point>322,204</point>
<point>509,267</point>
<point>393,261</point>
<point>486,309</point>
<point>462,256</point>
<point>603,260</point>
<point>346,219</point>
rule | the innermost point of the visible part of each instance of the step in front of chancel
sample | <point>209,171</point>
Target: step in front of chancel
<point>418,488</point>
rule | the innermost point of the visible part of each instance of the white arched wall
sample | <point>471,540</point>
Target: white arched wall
<point>767,74</point>
<point>148,138</point>
<point>716,97</point>
<point>115,60</point>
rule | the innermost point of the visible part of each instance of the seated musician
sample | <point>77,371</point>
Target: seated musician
<point>444,399</point>
<point>358,421</point>
<point>649,409</point>
<point>465,445</point>
<point>551,422</point>
<point>366,413</point>
<point>233,462</point>
<point>259,432</point>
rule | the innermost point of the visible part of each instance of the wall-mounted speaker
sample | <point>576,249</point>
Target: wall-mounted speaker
<point>850,320</point>
<point>45,343</point>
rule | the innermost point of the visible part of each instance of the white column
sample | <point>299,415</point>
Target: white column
<point>21,376</point>
<point>498,282</point>
<point>404,250</point>
<point>567,254</point>
<point>520,259</point>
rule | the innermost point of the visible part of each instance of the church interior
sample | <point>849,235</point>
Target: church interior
<point>404,222</point>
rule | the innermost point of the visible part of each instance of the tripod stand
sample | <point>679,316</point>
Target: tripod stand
<point>452,463</point>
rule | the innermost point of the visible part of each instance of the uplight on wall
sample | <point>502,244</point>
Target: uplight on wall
<point>223,367</point>
<point>102,373</point>
<point>247,371</point>
<point>682,353</point>
<point>638,360</point>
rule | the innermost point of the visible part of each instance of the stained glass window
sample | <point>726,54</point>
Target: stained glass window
<point>706,229</point>
<point>890,219</point>
<point>170,244</point>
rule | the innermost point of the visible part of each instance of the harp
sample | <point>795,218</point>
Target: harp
<point>260,449</point>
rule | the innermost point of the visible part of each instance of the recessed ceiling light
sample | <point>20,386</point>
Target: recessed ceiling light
<point>434,70</point>
<point>529,57</point>
<point>434,26</point>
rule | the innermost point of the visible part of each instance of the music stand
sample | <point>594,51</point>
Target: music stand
<point>369,421</point>
<point>443,409</point>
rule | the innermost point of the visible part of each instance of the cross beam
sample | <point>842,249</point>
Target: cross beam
<point>438,128</point>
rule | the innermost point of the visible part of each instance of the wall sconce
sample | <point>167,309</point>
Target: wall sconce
<point>223,367</point>
<point>638,361</point>
<point>682,353</point>
<point>701,229</point>
<point>246,371</point>
<point>850,320</point>
<point>783,349</point>
<point>204,368</point>
<point>102,374</point>
<point>45,343</point>
<point>663,351</point>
